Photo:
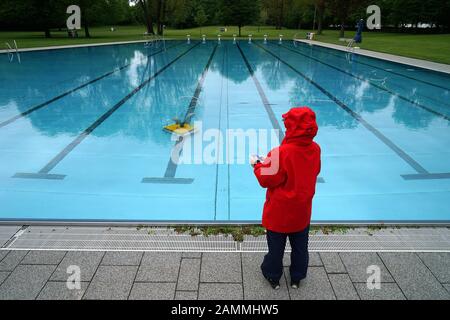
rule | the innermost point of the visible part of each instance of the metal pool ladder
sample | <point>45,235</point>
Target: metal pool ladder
<point>155,41</point>
<point>350,47</point>
<point>350,51</point>
<point>9,50</point>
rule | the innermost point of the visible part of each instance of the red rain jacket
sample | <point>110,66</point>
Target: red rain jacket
<point>289,173</point>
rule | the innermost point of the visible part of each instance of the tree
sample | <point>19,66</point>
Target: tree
<point>200,17</point>
<point>240,12</point>
<point>117,12</point>
<point>160,15</point>
<point>320,5</point>
<point>263,16</point>
<point>44,14</point>
<point>92,12</point>
<point>342,10</point>
<point>144,4</point>
<point>298,12</point>
<point>45,17</point>
<point>280,14</point>
<point>86,9</point>
<point>180,13</point>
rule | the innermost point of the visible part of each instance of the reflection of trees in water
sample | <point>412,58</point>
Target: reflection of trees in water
<point>374,101</point>
<point>62,118</point>
<point>403,112</point>
<point>156,104</point>
<point>328,113</point>
<point>44,74</point>
<point>361,97</point>
<point>275,76</point>
<point>411,116</point>
<point>167,97</point>
<point>65,116</point>
<point>144,115</point>
<point>237,70</point>
<point>274,73</point>
<point>216,64</point>
<point>411,90</point>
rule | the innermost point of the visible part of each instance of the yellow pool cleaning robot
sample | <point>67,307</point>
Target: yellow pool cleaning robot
<point>179,127</point>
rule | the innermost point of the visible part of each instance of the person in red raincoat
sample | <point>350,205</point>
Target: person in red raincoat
<point>289,172</point>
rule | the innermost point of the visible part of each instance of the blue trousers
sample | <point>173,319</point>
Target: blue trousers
<point>272,266</point>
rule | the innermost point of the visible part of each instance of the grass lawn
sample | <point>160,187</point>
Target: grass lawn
<point>427,47</point>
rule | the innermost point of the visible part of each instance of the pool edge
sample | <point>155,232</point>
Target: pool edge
<point>168,223</point>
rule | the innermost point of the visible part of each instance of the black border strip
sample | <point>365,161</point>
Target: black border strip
<point>60,156</point>
<point>402,154</point>
<point>436,113</point>
<point>168,223</point>
<point>46,103</point>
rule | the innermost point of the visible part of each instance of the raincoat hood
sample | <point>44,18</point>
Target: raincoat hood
<point>301,126</point>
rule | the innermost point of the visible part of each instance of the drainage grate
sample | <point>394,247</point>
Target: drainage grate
<point>118,239</point>
<point>163,239</point>
<point>7,233</point>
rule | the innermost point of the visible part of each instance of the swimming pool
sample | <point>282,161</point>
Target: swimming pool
<point>81,135</point>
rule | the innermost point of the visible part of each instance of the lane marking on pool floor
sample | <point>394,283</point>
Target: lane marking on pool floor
<point>267,105</point>
<point>44,173</point>
<point>222,171</point>
<point>422,173</point>
<point>171,169</point>
<point>48,102</point>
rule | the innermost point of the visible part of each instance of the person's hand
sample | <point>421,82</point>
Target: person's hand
<point>254,159</point>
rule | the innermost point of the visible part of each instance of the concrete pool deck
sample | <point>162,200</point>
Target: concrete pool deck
<point>38,272</point>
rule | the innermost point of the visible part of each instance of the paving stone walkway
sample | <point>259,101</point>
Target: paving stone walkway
<point>216,276</point>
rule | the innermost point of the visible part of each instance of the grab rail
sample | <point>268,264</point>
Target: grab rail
<point>10,54</point>
<point>350,45</point>
<point>17,51</point>
<point>154,40</point>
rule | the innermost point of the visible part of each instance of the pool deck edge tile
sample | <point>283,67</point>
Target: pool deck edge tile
<point>78,46</point>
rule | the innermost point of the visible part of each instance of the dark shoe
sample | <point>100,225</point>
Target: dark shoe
<point>274,284</point>
<point>295,284</point>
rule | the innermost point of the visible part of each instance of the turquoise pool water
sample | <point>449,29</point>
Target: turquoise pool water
<point>81,135</point>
